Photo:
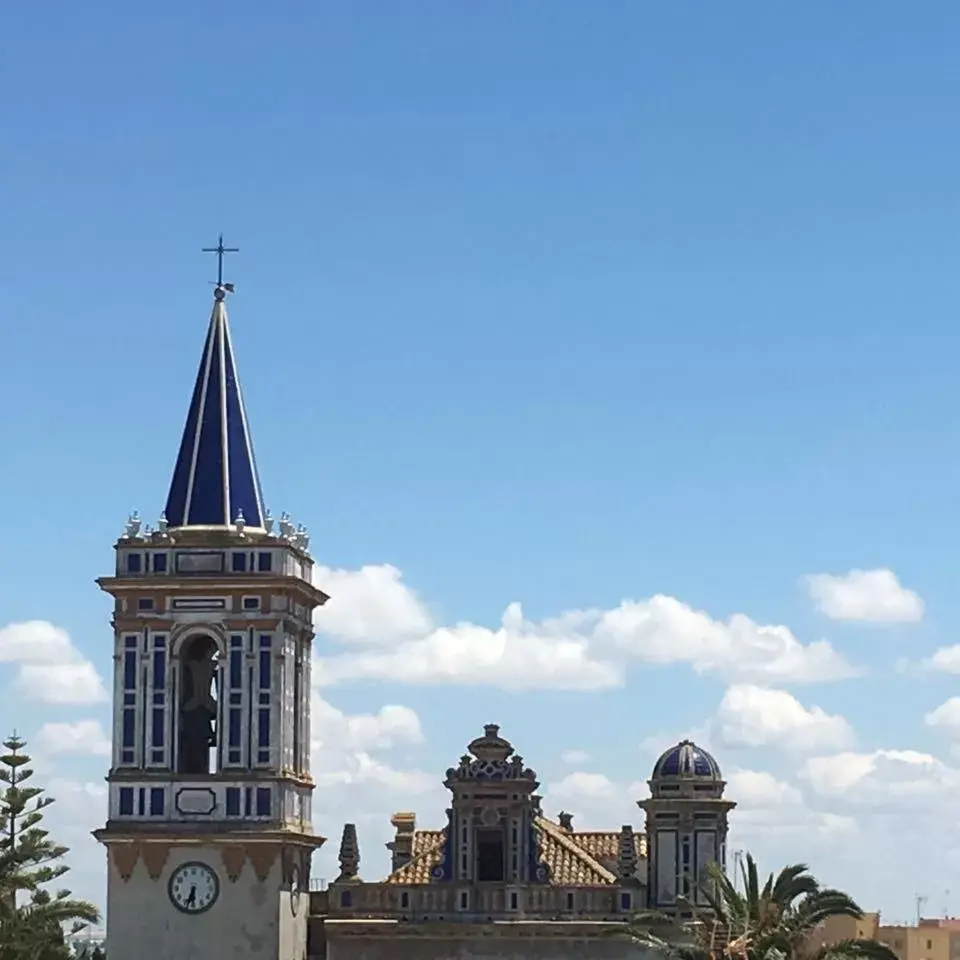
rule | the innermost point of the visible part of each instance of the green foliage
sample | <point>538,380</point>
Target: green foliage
<point>32,918</point>
<point>774,921</point>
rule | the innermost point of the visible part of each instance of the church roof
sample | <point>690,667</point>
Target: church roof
<point>575,858</point>
<point>215,478</point>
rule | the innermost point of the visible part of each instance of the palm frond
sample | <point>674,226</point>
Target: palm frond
<point>857,949</point>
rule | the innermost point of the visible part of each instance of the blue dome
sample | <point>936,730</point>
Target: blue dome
<point>686,759</point>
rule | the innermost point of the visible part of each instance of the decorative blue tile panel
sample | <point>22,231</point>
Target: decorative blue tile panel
<point>215,476</point>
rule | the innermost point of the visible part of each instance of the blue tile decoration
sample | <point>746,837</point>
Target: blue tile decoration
<point>215,478</point>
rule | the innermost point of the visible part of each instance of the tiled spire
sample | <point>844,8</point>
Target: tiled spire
<point>215,479</point>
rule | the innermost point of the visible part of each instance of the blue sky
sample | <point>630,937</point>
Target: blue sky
<point>558,303</point>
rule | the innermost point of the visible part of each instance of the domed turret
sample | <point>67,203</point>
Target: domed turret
<point>686,761</point>
<point>686,824</point>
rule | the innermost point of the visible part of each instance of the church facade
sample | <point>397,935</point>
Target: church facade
<point>500,879</point>
<point>209,836</point>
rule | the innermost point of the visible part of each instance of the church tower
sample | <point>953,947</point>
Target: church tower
<point>209,835</point>
<point>686,827</point>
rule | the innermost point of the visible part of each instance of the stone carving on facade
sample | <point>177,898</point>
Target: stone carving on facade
<point>234,856</point>
<point>125,856</point>
<point>626,854</point>
<point>154,856</point>
<point>262,858</point>
<point>349,855</point>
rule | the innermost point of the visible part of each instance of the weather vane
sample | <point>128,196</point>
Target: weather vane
<point>220,250</point>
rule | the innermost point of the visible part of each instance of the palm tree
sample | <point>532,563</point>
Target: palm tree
<point>772,922</point>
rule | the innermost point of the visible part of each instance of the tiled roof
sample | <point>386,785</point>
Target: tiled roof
<point>575,858</point>
<point>426,855</point>
<point>603,845</point>
<point>215,477</point>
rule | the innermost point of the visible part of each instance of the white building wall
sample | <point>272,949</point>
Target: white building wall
<point>251,920</point>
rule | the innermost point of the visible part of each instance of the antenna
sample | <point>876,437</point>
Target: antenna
<point>946,904</point>
<point>921,899</point>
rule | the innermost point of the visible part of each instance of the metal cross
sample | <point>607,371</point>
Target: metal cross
<point>220,250</point>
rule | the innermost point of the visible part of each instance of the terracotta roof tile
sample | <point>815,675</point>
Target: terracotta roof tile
<point>426,855</point>
<point>603,845</point>
<point>579,858</point>
<point>570,865</point>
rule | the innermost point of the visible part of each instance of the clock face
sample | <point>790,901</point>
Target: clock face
<point>194,887</point>
<point>294,889</point>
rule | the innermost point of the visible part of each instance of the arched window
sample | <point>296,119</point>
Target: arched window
<point>198,706</point>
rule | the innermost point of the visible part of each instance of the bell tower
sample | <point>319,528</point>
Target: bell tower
<point>209,835</point>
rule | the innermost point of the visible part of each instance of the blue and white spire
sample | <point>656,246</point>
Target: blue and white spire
<point>215,481</point>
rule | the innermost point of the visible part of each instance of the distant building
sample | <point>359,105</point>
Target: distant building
<point>932,939</point>
<point>935,938</point>
<point>835,929</point>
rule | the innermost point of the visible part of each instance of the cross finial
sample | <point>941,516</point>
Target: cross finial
<point>220,250</point>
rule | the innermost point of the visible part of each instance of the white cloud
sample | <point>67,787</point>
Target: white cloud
<point>347,762</point>
<point>595,801</point>
<point>50,668</point>
<point>946,660</point>
<point>79,807</point>
<point>62,683</point>
<point>900,779</point>
<point>770,811</point>
<point>369,605</point>
<point>78,804</point>
<point>872,595</point>
<point>756,716</point>
<point>364,772</point>
<point>759,789</point>
<point>519,656</point>
<point>579,784</point>
<point>580,649</point>
<point>664,630</point>
<point>946,716</point>
<point>36,641</point>
<point>83,736</point>
<point>574,757</point>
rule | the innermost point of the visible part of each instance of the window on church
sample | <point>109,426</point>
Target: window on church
<point>145,603</point>
<point>159,563</point>
<point>156,801</point>
<point>263,729</point>
<point>263,801</point>
<point>158,721</point>
<point>159,665</point>
<point>198,706</point>
<point>264,562</point>
<point>490,856</point>
<point>126,801</point>
<point>134,563</point>
<point>129,728</point>
<point>233,801</point>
